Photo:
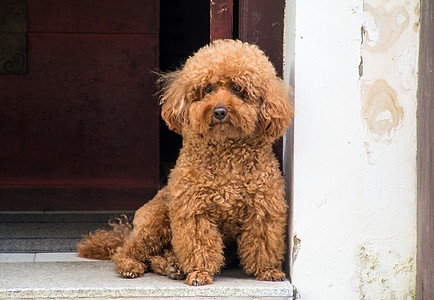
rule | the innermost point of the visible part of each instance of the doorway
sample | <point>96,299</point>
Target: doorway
<point>50,213</point>
<point>117,156</point>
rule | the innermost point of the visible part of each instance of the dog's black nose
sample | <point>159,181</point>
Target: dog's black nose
<point>220,112</point>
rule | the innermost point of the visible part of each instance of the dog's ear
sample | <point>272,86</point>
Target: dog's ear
<point>276,108</point>
<point>172,100</point>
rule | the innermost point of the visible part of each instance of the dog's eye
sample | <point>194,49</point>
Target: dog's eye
<point>236,88</point>
<point>208,90</point>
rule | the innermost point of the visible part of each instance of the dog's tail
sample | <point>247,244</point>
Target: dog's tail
<point>102,243</point>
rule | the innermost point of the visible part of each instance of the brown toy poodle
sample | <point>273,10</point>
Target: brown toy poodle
<point>229,106</point>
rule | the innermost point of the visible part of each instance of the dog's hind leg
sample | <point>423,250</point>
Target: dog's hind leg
<point>151,233</point>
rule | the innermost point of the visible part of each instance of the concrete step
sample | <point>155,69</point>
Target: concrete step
<point>98,280</point>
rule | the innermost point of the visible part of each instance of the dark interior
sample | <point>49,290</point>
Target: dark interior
<point>184,28</point>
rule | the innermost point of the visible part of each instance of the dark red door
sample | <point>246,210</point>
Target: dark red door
<point>79,130</point>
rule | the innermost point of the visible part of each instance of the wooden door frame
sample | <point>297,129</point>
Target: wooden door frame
<point>425,155</point>
<point>262,23</point>
<point>259,22</point>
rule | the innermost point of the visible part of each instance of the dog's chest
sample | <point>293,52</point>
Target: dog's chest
<point>229,180</point>
<point>222,182</point>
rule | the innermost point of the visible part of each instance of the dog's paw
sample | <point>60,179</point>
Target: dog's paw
<point>130,274</point>
<point>174,272</point>
<point>131,268</point>
<point>137,271</point>
<point>197,278</point>
<point>271,275</point>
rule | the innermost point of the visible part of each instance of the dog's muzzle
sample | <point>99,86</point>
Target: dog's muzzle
<point>220,112</point>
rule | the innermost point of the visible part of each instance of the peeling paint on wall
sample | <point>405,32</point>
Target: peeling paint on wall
<point>355,204</point>
<point>380,109</point>
<point>377,278</point>
<point>368,261</point>
<point>382,116</point>
<point>388,70</point>
<point>416,13</point>
<point>295,248</point>
<point>384,27</point>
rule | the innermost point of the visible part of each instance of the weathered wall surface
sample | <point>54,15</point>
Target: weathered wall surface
<point>355,148</point>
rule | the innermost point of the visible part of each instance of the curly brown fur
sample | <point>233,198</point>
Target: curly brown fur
<point>102,243</point>
<point>167,264</point>
<point>229,106</point>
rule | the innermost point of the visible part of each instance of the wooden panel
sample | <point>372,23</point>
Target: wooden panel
<point>13,38</point>
<point>74,198</point>
<point>261,23</point>
<point>93,16</point>
<point>82,117</point>
<point>221,19</point>
<point>425,204</point>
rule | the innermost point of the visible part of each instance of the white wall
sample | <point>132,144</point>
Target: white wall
<point>354,147</point>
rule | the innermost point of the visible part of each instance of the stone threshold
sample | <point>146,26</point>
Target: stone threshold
<point>89,279</point>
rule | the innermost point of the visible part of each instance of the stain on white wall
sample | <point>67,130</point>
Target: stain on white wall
<point>389,80</point>
<point>355,179</point>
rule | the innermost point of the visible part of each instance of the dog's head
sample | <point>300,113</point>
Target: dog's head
<point>228,89</point>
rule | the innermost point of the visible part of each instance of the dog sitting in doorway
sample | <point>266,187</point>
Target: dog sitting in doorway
<point>229,106</point>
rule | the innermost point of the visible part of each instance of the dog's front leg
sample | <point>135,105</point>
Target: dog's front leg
<point>198,245</point>
<point>261,245</point>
